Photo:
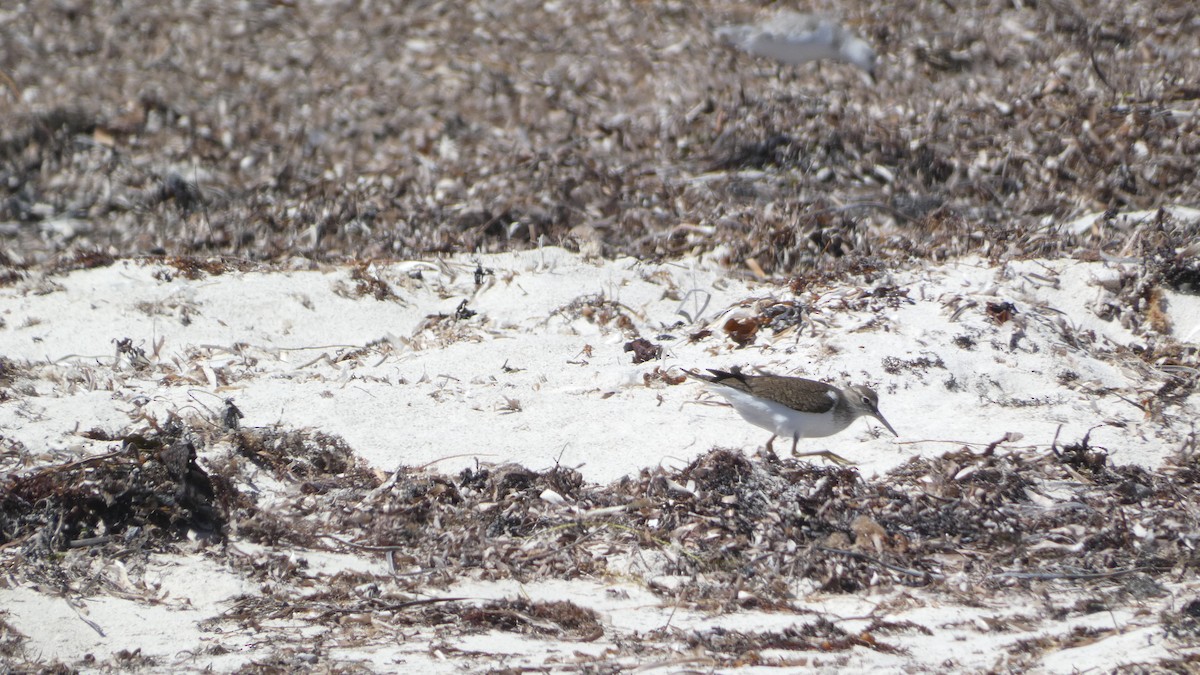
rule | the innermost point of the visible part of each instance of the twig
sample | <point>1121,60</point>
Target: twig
<point>384,608</point>
<point>431,462</point>
<point>1043,576</point>
<point>82,462</point>
<point>1032,446</point>
<point>89,541</point>
<point>866,558</point>
<point>554,551</point>
<point>364,547</point>
<point>78,356</point>
<point>864,205</point>
<point>701,308</point>
<point>306,348</point>
<point>1100,73</point>
<point>991,448</point>
<point>12,86</point>
<point>94,626</point>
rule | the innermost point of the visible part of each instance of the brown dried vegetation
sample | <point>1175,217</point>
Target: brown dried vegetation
<point>339,131</point>
<point>744,531</point>
<point>735,648</point>
<point>733,532</point>
<point>317,460</point>
<point>561,618</point>
<point>149,492</point>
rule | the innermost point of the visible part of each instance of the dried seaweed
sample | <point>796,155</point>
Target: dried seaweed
<point>367,282</point>
<point>10,639</point>
<point>644,350</point>
<point>743,530</point>
<point>1184,624</point>
<point>9,372</point>
<point>193,268</point>
<point>318,461</point>
<point>559,618</point>
<point>737,648</point>
<point>797,169</point>
<point>152,487</point>
<point>733,532</point>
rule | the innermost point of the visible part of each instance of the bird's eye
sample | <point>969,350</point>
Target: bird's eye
<point>867,400</point>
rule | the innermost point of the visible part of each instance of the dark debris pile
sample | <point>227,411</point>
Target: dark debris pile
<point>740,532</point>
<point>562,618</point>
<point>149,490</point>
<point>725,533</point>
<point>9,373</point>
<point>318,461</point>
<point>736,649</point>
<point>731,531</point>
<point>10,640</point>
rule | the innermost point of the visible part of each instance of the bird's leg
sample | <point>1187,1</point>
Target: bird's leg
<point>833,457</point>
<point>769,452</point>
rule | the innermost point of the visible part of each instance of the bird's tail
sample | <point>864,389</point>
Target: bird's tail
<point>716,375</point>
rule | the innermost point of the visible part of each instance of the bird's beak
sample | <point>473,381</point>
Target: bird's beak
<point>879,416</point>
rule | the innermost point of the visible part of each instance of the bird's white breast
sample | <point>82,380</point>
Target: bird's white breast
<point>780,419</point>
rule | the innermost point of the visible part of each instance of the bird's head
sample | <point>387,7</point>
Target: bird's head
<point>865,401</point>
<point>860,53</point>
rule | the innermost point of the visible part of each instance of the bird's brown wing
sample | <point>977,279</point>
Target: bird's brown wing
<point>812,397</point>
<point>815,397</point>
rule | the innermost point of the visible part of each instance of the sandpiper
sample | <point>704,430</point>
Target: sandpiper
<point>794,406</point>
<point>795,38</point>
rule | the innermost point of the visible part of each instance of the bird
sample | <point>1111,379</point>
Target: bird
<point>794,406</point>
<point>794,38</point>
